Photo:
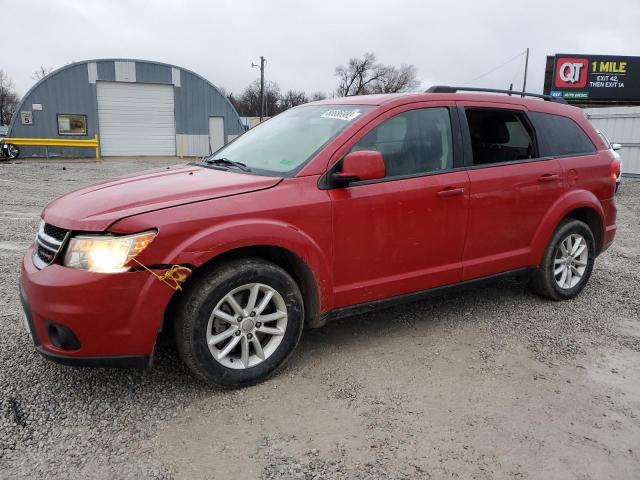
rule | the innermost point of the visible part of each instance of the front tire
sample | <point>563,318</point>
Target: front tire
<point>239,323</point>
<point>567,263</point>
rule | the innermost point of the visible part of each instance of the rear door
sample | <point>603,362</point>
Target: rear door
<point>511,187</point>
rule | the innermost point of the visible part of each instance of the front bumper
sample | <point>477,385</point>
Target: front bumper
<point>115,317</point>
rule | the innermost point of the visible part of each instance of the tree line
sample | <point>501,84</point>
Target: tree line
<point>360,76</point>
<point>248,102</point>
<point>9,98</point>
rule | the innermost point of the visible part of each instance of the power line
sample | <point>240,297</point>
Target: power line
<point>495,68</point>
<point>515,73</point>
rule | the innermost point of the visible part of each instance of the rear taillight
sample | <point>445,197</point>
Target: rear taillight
<point>615,168</point>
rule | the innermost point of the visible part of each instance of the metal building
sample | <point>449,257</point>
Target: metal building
<point>137,107</point>
<point>621,125</point>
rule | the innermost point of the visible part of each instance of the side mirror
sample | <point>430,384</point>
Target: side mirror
<point>616,146</point>
<point>361,165</point>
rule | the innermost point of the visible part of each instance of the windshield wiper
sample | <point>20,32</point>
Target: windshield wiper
<point>227,163</point>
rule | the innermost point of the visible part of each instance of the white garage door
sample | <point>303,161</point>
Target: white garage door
<point>136,119</point>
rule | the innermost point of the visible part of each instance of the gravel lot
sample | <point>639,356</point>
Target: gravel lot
<point>492,383</point>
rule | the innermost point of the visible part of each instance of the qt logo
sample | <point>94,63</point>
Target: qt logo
<point>571,72</point>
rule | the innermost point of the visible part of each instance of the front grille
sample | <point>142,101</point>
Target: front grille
<point>45,255</point>
<point>55,232</point>
<point>49,242</point>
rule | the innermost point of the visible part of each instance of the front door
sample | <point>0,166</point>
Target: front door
<point>403,233</point>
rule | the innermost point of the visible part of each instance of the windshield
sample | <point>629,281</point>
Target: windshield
<point>284,143</point>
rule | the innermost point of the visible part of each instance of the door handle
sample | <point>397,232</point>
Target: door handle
<point>548,177</point>
<point>450,192</point>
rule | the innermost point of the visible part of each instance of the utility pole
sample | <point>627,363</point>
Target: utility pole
<point>526,67</point>
<point>262,99</point>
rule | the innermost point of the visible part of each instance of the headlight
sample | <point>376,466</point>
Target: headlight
<point>105,253</point>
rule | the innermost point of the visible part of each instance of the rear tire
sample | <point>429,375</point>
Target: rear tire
<point>239,323</point>
<point>567,262</point>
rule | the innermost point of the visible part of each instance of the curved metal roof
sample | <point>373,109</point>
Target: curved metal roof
<point>84,62</point>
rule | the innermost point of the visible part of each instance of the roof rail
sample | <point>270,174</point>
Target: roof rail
<point>447,89</point>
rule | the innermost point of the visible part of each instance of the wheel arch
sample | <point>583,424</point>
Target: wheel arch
<point>285,258</point>
<point>290,263</point>
<point>579,204</point>
<point>589,216</point>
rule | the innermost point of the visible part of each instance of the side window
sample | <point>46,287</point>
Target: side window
<point>413,142</point>
<point>499,136</point>
<point>560,135</point>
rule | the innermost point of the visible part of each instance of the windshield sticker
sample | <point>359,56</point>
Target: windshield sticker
<point>346,115</point>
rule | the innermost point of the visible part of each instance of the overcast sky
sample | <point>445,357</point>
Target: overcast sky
<point>303,41</point>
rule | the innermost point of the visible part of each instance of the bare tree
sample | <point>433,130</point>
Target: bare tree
<point>248,103</point>
<point>318,96</point>
<point>8,98</point>
<point>41,72</point>
<point>396,80</point>
<point>271,98</point>
<point>357,75</point>
<point>233,100</point>
<point>364,75</point>
<point>293,98</point>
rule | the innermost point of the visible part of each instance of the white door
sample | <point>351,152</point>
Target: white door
<point>216,133</point>
<point>136,119</point>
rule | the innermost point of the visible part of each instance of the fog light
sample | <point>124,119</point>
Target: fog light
<point>62,337</point>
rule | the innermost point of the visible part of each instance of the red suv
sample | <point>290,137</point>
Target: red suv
<point>328,209</point>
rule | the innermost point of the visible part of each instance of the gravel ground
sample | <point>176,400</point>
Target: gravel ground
<point>491,383</point>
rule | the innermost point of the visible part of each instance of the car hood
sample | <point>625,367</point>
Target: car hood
<point>96,207</point>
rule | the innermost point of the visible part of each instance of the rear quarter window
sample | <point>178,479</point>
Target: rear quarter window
<point>605,140</point>
<point>560,136</point>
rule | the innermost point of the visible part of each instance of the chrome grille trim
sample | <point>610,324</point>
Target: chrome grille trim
<point>54,246</point>
<point>46,242</point>
<point>40,264</point>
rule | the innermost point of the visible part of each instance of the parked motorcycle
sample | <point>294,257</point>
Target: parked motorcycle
<point>8,151</point>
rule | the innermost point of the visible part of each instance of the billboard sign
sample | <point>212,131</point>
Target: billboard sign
<point>596,77</point>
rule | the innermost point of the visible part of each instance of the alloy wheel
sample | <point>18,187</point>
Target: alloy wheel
<point>570,261</point>
<point>246,326</point>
